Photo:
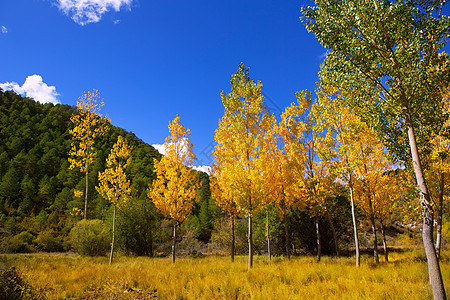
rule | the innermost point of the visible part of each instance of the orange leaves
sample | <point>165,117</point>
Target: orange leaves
<point>113,183</point>
<point>175,189</point>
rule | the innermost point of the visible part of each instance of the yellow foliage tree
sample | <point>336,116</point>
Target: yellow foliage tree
<point>175,189</point>
<point>387,194</point>
<point>369,180</point>
<point>88,125</point>
<point>339,145</point>
<point>288,170</point>
<point>113,183</point>
<point>226,203</point>
<point>439,168</point>
<point>245,142</point>
<point>316,181</point>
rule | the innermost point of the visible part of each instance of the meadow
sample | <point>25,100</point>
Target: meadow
<point>60,276</point>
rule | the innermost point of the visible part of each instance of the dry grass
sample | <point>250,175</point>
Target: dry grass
<point>213,277</point>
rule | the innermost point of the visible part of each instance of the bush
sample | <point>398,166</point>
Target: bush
<point>20,243</point>
<point>90,237</point>
<point>46,241</point>
<point>13,286</point>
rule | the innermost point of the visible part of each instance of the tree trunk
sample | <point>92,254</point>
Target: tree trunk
<point>383,233</point>
<point>287,237</point>
<point>268,235</point>
<point>334,233</point>
<point>434,270</point>
<point>174,240</point>
<point>250,241</point>
<point>232,238</point>
<point>113,234</point>
<point>375,244</point>
<point>439,216</point>
<point>86,191</point>
<point>355,227</point>
<point>319,246</point>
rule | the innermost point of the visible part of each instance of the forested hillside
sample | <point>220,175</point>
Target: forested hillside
<point>37,186</point>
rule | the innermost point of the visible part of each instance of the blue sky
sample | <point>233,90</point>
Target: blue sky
<point>151,60</point>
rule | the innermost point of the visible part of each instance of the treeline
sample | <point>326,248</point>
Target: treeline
<point>38,206</point>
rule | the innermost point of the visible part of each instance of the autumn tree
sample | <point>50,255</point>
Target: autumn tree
<point>368,182</point>
<point>113,183</point>
<point>339,146</point>
<point>175,189</point>
<point>245,141</point>
<point>386,194</point>
<point>289,171</point>
<point>439,168</point>
<point>88,125</point>
<point>226,203</point>
<point>386,52</point>
<point>311,172</point>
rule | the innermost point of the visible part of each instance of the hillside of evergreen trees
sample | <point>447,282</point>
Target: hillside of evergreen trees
<point>38,206</point>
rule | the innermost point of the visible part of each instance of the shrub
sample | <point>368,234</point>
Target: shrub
<point>46,241</point>
<point>14,286</point>
<point>90,237</point>
<point>25,237</point>
<point>20,243</point>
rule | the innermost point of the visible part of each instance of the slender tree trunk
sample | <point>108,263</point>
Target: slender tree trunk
<point>174,240</point>
<point>355,227</point>
<point>287,237</point>
<point>86,191</point>
<point>113,235</point>
<point>383,234</point>
<point>268,235</point>
<point>319,246</point>
<point>250,241</point>
<point>439,215</point>
<point>434,270</point>
<point>375,244</point>
<point>232,239</point>
<point>334,233</point>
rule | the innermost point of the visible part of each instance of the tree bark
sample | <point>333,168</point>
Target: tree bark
<point>439,216</point>
<point>174,241</point>
<point>287,237</point>
<point>86,191</point>
<point>355,227</point>
<point>319,246</point>
<point>375,244</point>
<point>268,235</point>
<point>250,241</point>
<point>383,234</point>
<point>434,270</point>
<point>113,235</point>
<point>232,239</point>
<point>334,233</point>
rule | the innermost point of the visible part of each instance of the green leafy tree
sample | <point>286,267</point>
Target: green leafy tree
<point>387,54</point>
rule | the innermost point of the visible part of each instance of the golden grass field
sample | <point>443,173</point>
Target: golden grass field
<point>61,276</point>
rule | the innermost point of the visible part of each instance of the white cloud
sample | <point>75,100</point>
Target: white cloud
<point>206,169</point>
<point>160,148</point>
<point>4,29</point>
<point>34,87</point>
<point>90,11</point>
